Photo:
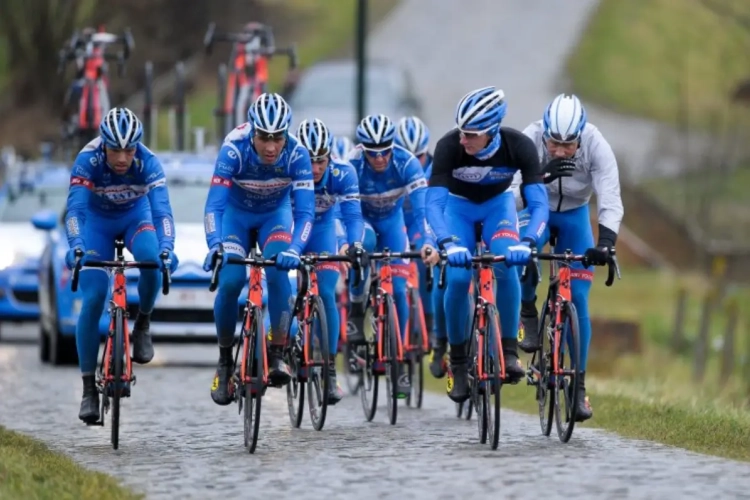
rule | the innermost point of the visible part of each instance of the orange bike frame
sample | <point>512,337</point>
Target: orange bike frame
<point>386,287</point>
<point>486,297</point>
<point>254,298</point>
<point>312,291</point>
<point>91,71</point>
<point>119,299</point>
<point>238,77</point>
<point>563,295</point>
<point>413,283</point>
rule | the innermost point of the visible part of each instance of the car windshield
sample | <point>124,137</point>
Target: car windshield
<point>20,206</point>
<point>337,89</point>
<point>188,199</point>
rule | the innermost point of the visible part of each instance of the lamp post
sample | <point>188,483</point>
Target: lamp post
<point>361,54</point>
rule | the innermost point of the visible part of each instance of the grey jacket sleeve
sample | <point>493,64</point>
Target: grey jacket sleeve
<point>606,183</point>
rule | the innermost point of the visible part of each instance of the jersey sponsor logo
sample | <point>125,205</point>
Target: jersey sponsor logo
<point>350,197</point>
<point>158,183</point>
<point>232,154</point>
<point>582,274</point>
<point>541,229</point>
<point>153,175</point>
<point>279,236</point>
<point>234,249</point>
<point>72,227</point>
<point>505,233</point>
<point>224,168</point>
<point>306,231</point>
<point>419,183</point>
<point>166,225</point>
<point>94,161</point>
<point>209,222</point>
<point>308,184</point>
<point>385,199</point>
<point>80,181</point>
<point>266,187</point>
<point>220,181</point>
<point>121,193</point>
<point>295,155</point>
<point>471,174</point>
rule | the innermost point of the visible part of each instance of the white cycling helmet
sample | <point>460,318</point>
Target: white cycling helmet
<point>564,119</point>
<point>315,137</point>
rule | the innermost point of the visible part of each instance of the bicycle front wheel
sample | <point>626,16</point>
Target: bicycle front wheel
<point>390,350</point>
<point>492,352</point>
<point>415,355</point>
<point>318,380</point>
<point>566,379</point>
<point>118,349</point>
<point>255,369</point>
<point>542,361</point>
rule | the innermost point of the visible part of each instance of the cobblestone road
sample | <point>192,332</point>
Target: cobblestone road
<point>175,443</point>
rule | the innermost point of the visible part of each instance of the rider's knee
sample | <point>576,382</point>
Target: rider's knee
<point>94,285</point>
<point>231,280</point>
<point>458,279</point>
<point>145,245</point>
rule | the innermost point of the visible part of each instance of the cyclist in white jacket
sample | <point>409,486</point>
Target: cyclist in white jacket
<point>565,133</point>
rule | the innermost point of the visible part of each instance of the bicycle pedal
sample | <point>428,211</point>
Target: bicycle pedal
<point>98,423</point>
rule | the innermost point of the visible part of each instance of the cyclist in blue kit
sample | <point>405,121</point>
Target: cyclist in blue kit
<point>259,165</point>
<point>335,186</point>
<point>117,189</point>
<point>386,173</point>
<point>472,172</point>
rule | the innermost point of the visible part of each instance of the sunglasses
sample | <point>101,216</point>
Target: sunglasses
<point>320,158</point>
<point>557,140</point>
<point>377,153</point>
<point>473,134</point>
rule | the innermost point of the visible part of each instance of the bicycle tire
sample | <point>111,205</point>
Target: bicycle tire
<point>370,382</point>
<point>567,388</point>
<point>542,359</point>
<point>118,348</point>
<point>493,399</point>
<point>252,402</point>
<point>476,395</point>
<point>353,380</point>
<point>471,406</point>
<point>390,348</point>
<point>318,380</point>
<point>416,356</point>
<point>295,389</point>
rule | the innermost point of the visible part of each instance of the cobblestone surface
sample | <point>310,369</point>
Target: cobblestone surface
<point>175,443</point>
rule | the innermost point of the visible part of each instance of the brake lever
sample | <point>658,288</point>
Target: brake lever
<point>166,273</point>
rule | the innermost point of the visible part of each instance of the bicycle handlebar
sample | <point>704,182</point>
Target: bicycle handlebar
<point>486,258</point>
<point>239,261</point>
<point>244,37</point>
<point>613,268</point>
<point>122,264</point>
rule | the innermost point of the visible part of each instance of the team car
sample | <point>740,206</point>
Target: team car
<point>32,188</point>
<point>184,315</point>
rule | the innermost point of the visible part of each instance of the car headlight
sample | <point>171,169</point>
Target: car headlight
<point>10,258</point>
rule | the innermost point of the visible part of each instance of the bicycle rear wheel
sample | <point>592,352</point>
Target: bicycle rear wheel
<point>295,389</point>
<point>566,385</point>
<point>478,387</point>
<point>118,348</point>
<point>318,381</point>
<point>493,385</point>
<point>254,391</point>
<point>390,350</point>
<point>368,389</point>
<point>542,359</point>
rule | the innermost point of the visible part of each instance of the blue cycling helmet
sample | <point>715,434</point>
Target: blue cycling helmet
<point>376,131</point>
<point>341,148</point>
<point>413,135</point>
<point>481,110</point>
<point>121,129</point>
<point>270,113</point>
<point>564,119</point>
<point>315,137</point>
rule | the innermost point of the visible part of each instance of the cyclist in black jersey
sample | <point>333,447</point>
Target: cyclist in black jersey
<point>473,168</point>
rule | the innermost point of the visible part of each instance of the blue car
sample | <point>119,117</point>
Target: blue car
<point>38,186</point>
<point>185,315</point>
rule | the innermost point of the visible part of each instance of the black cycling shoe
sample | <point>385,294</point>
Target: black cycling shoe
<point>278,371</point>
<point>584,406</point>
<point>355,328</point>
<point>335,393</point>
<point>222,388</point>
<point>437,358</point>
<point>458,381</point>
<point>530,321</point>
<point>513,368</point>
<point>143,347</point>
<point>89,411</point>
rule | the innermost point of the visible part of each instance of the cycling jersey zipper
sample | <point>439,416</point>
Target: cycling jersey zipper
<point>559,186</point>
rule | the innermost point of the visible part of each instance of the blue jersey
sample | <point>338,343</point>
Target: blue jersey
<point>242,180</point>
<point>408,212</point>
<point>382,194</point>
<point>95,189</point>
<point>337,196</point>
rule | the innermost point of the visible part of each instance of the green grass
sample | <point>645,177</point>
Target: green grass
<point>649,409</point>
<point>29,470</point>
<point>647,56</point>
<point>3,63</point>
<point>727,217</point>
<point>325,29</point>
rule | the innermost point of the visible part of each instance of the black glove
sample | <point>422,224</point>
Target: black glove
<point>558,167</point>
<point>357,253</point>
<point>601,255</point>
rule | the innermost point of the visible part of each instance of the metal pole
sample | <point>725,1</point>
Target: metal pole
<point>361,41</point>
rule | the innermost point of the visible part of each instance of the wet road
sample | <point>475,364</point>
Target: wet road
<point>175,443</point>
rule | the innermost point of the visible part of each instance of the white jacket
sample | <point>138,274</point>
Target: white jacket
<point>596,172</point>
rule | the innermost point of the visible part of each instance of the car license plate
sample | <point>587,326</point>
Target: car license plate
<point>186,298</point>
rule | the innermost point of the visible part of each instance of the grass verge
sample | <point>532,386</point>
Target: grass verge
<point>28,469</point>
<point>633,409</point>
<point>649,57</point>
<point>325,31</point>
